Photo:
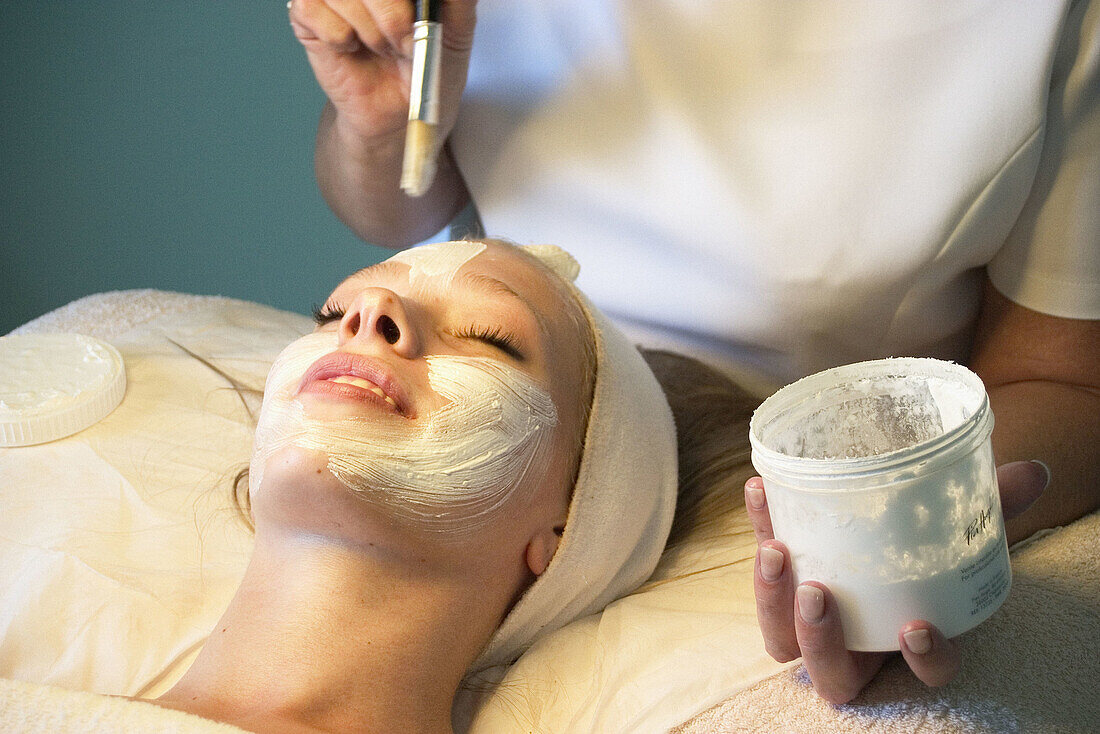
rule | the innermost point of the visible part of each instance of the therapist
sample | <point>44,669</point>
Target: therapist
<point>790,187</point>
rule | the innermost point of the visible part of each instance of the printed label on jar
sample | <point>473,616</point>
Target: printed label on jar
<point>991,589</point>
<point>989,592</point>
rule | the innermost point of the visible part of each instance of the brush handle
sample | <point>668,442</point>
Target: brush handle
<point>427,10</point>
<point>427,52</point>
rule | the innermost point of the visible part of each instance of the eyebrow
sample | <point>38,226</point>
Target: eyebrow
<point>489,284</point>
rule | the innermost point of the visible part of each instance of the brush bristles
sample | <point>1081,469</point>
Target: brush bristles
<point>418,166</point>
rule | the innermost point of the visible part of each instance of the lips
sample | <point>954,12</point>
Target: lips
<point>357,377</point>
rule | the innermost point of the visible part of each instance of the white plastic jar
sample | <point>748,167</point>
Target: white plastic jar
<point>880,481</point>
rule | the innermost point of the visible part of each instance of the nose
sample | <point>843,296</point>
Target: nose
<point>379,316</point>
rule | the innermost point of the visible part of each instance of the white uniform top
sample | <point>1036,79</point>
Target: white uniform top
<point>796,185</point>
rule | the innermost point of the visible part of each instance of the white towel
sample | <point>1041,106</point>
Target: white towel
<point>30,708</point>
<point>1033,666</point>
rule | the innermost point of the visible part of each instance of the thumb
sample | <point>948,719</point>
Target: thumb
<point>1021,483</point>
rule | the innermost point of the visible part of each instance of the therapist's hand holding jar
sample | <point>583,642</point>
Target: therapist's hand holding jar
<point>804,622</point>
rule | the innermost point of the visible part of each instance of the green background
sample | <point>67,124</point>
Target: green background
<point>160,145</point>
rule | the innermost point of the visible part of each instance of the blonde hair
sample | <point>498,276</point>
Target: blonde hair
<point>712,416</point>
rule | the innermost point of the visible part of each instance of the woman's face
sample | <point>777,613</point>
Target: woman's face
<point>444,387</point>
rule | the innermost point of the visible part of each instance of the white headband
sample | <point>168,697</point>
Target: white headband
<point>624,498</point>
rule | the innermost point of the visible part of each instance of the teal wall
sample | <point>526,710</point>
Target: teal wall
<point>160,145</point>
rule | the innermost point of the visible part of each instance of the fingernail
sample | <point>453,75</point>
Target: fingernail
<point>918,641</point>
<point>1046,470</point>
<point>407,46</point>
<point>754,496</point>
<point>771,564</point>
<point>811,603</point>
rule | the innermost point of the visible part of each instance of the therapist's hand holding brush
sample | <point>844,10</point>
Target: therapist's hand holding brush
<point>361,53</point>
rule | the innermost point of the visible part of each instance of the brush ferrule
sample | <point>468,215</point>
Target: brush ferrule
<point>427,51</point>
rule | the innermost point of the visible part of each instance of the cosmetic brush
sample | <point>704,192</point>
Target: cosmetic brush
<point>421,145</point>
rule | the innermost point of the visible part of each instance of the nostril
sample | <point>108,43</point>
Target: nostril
<point>352,323</point>
<point>388,329</point>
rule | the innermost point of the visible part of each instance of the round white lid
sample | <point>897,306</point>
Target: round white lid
<point>54,385</point>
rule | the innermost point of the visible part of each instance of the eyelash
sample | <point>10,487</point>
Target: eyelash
<point>327,314</point>
<point>494,336</point>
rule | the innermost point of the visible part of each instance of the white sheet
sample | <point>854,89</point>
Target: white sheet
<point>118,547</point>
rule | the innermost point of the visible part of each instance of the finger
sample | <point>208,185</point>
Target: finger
<point>316,24</point>
<point>359,14</point>
<point>1021,483</point>
<point>392,19</point>
<point>459,20</point>
<point>838,674</point>
<point>756,503</point>
<point>932,657</point>
<point>774,589</point>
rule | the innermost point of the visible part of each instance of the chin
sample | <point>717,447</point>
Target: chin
<point>299,496</point>
<point>298,493</point>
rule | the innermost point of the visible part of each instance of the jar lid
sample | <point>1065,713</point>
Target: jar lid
<point>54,385</point>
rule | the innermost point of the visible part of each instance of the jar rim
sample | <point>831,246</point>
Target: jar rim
<point>979,422</point>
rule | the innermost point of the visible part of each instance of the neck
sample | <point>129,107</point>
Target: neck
<point>325,637</point>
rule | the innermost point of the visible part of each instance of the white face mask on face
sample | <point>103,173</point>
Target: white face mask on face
<point>438,262</point>
<point>450,470</point>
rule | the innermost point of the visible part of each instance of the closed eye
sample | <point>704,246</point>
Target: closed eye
<point>328,313</point>
<point>495,337</point>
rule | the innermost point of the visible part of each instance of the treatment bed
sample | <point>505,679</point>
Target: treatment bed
<point>120,547</point>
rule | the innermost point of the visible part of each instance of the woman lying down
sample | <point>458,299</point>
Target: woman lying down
<point>463,455</point>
